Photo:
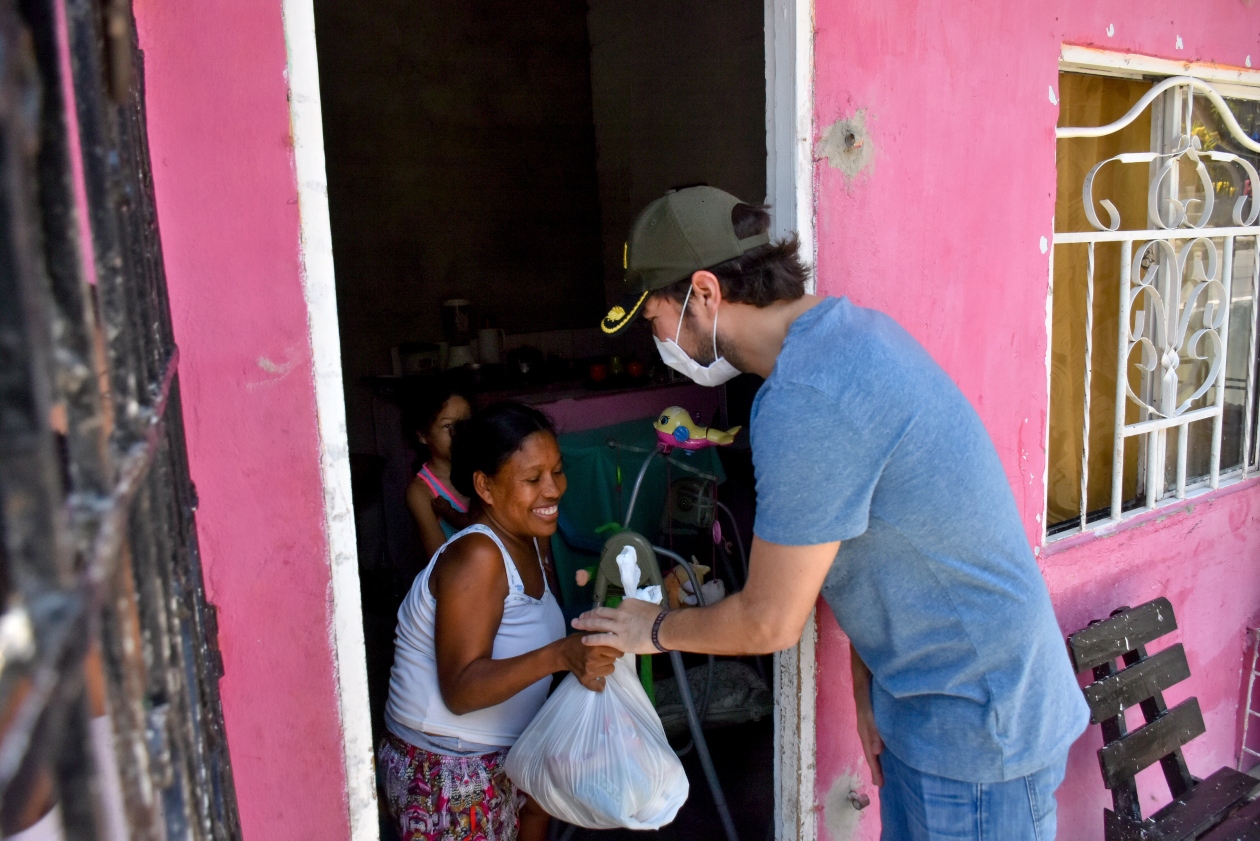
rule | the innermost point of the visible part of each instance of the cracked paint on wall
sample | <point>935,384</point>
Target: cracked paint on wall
<point>840,816</point>
<point>846,145</point>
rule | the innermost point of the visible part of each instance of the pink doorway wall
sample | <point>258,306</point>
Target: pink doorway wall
<point>223,169</point>
<point>943,231</point>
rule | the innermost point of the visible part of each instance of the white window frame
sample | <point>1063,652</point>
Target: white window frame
<point>1194,79</point>
<point>789,34</point>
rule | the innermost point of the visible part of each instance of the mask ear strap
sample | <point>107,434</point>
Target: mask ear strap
<point>715,353</point>
<point>681,313</point>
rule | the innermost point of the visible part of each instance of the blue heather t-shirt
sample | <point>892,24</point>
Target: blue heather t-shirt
<point>859,436</point>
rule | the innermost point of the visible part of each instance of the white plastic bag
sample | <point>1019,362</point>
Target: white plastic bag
<point>600,759</point>
<point>628,566</point>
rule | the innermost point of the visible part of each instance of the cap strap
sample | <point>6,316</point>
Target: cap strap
<point>749,243</point>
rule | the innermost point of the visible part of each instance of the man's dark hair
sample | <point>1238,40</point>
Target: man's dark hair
<point>767,273</point>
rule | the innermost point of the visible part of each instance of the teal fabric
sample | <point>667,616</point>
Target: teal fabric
<point>595,498</point>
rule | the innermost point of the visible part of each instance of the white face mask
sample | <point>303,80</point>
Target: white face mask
<point>675,357</point>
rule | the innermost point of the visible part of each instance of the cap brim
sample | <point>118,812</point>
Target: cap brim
<point>621,316</point>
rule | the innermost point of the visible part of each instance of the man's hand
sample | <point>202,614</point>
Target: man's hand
<point>872,744</point>
<point>767,615</point>
<point>627,627</point>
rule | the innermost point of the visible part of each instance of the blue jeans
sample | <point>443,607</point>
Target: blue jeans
<point>915,806</point>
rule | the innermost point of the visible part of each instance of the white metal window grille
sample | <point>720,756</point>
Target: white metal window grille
<point>1175,283</point>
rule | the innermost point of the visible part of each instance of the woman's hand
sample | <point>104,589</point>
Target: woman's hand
<point>589,663</point>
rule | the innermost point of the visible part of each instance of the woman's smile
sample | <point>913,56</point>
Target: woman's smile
<point>524,495</point>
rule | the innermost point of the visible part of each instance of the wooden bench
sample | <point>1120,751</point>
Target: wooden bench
<point>1214,809</point>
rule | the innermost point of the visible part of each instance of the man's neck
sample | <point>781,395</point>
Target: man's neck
<point>756,334</point>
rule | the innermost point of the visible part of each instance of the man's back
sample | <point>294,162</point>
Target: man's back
<point>859,436</point>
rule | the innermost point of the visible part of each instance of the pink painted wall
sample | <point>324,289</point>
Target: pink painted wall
<point>959,115</point>
<point>227,200</point>
<point>943,233</point>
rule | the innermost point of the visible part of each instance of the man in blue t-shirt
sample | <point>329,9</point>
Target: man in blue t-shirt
<point>878,487</point>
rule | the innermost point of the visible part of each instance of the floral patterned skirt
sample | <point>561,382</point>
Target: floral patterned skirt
<point>433,797</point>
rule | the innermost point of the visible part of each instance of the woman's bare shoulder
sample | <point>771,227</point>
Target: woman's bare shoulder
<point>473,556</point>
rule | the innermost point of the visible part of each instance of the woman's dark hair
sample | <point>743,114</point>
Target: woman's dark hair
<point>768,273</point>
<point>485,442</point>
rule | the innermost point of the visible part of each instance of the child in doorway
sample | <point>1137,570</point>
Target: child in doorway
<point>440,510</point>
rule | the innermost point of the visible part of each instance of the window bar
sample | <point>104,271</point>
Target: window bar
<point>1176,123</point>
<point>1248,456</point>
<point>1183,435</point>
<point>1122,397</point>
<point>1189,110</point>
<point>1089,363</point>
<point>1157,440</point>
<point>1218,422</point>
<point>1154,424</point>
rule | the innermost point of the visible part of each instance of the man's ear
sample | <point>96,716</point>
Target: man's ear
<point>706,289</point>
<point>481,484</point>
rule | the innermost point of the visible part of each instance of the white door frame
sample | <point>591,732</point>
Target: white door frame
<point>790,193</point>
<point>346,631</point>
<point>789,36</point>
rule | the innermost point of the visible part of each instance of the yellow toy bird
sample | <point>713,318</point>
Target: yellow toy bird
<point>675,428</point>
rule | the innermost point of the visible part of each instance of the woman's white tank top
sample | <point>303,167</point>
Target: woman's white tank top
<point>415,701</point>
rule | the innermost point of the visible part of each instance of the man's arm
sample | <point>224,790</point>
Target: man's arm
<point>872,744</point>
<point>767,615</point>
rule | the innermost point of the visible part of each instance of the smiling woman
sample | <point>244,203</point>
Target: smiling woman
<point>479,636</point>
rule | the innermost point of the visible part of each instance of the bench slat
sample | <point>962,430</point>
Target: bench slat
<point>1203,807</point>
<point>1108,640</point>
<point>1112,695</point>
<point>1243,825</point>
<point>1143,747</point>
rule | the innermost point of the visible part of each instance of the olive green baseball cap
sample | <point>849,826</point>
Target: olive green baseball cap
<point>675,236</point>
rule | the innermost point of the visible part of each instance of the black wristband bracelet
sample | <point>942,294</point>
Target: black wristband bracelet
<point>656,631</point>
